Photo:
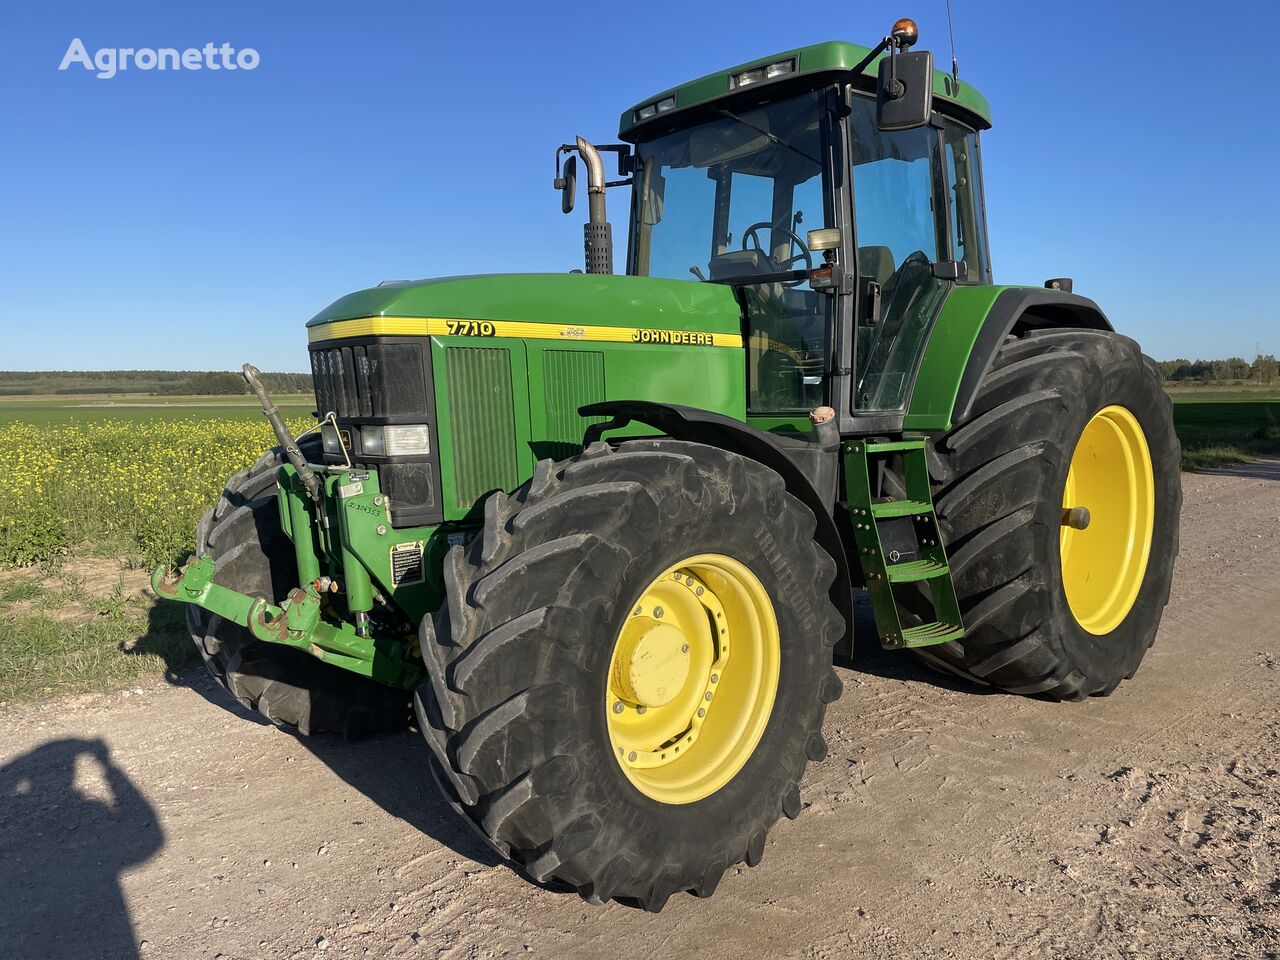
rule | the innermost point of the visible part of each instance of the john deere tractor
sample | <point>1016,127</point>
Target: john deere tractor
<point>598,535</point>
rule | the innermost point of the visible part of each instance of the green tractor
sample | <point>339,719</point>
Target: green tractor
<point>598,535</point>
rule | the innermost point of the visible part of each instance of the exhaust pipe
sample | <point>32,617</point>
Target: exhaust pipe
<point>597,234</point>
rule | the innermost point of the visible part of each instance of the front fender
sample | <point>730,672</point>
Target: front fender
<point>726,433</point>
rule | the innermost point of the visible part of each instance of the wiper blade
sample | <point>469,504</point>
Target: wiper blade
<point>771,137</point>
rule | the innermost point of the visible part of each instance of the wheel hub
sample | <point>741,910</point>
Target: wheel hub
<point>692,678</point>
<point>652,663</point>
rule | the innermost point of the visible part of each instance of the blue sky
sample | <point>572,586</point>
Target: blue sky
<point>198,219</point>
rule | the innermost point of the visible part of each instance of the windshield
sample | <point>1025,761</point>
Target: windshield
<point>702,190</point>
<point>732,200</point>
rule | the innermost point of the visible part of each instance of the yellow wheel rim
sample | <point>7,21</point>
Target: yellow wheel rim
<point>1111,477</point>
<point>692,678</point>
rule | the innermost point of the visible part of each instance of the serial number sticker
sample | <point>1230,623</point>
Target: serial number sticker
<point>406,564</point>
<point>457,539</point>
<point>350,489</point>
<point>573,333</point>
<point>471,328</point>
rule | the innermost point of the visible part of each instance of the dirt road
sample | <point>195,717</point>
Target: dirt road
<point>945,822</point>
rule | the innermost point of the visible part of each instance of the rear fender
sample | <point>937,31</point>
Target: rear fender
<point>963,344</point>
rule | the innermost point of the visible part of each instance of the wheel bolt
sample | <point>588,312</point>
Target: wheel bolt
<point>632,756</point>
<point>715,678</point>
<point>657,613</point>
<point>618,707</point>
<point>684,648</point>
<point>702,711</point>
<point>642,709</point>
<point>637,611</point>
<point>708,694</point>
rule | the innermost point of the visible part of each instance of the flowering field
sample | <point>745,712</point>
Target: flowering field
<point>137,484</point>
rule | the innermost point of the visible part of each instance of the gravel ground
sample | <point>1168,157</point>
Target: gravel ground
<point>946,821</point>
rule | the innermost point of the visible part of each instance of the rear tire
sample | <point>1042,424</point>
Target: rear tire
<point>252,554</point>
<point>1000,480</point>
<point>519,664</point>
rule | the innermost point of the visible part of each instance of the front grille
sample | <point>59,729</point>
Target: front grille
<point>371,381</point>
<point>573,379</point>
<point>482,414</point>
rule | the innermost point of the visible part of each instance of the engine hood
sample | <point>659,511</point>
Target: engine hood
<point>586,299</point>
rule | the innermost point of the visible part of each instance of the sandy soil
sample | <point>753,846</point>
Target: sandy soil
<point>946,822</point>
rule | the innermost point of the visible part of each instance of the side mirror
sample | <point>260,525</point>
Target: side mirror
<point>567,183</point>
<point>904,91</point>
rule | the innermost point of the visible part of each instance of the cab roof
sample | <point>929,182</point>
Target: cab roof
<point>814,65</point>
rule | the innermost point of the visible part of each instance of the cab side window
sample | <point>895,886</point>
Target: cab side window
<point>964,194</point>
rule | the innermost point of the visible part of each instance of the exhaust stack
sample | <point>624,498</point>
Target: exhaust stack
<point>597,234</point>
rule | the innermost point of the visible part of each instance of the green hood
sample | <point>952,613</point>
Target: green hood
<point>573,298</point>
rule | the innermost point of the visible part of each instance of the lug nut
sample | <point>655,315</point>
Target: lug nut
<point>642,709</point>
<point>632,756</point>
<point>684,648</point>
<point>618,707</point>
<point>657,613</point>
<point>702,711</point>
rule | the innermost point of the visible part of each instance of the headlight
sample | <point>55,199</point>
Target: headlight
<point>407,440</point>
<point>332,440</point>
<point>371,440</point>
<point>779,68</point>
<point>649,110</point>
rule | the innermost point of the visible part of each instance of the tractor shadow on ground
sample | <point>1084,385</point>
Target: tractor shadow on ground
<point>870,657</point>
<point>392,770</point>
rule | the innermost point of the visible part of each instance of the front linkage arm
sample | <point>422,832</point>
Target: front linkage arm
<point>296,623</point>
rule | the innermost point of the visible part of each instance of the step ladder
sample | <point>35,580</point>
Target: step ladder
<point>916,552</point>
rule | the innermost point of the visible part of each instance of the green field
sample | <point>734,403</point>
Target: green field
<point>76,409</point>
<point>1220,425</point>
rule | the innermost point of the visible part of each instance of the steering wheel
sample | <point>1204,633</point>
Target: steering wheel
<point>752,234</point>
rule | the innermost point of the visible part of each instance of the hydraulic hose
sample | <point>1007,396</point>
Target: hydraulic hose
<point>253,376</point>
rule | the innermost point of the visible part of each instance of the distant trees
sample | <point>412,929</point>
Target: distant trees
<point>156,382</point>
<point>1263,370</point>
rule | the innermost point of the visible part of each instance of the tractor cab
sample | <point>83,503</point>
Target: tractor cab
<point>842,207</point>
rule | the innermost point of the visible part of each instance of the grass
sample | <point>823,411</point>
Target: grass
<point>1224,426</point>
<point>58,636</point>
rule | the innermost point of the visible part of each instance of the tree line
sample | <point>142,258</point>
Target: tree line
<point>1263,370</point>
<point>18,383</point>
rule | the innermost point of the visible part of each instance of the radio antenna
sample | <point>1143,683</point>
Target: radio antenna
<point>955,67</point>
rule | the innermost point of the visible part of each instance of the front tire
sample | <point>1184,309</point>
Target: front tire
<point>536,730</point>
<point>1063,417</point>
